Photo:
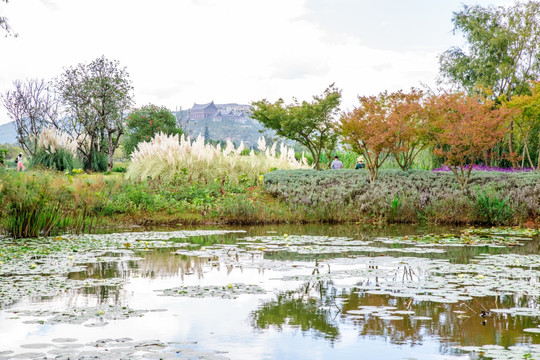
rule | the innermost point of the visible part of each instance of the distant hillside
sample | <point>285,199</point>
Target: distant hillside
<point>248,132</point>
<point>8,133</point>
<point>225,128</point>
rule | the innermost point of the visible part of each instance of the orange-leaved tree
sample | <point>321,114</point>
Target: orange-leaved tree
<point>367,131</point>
<point>463,128</point>
<point>389,123</point>
<point>407,118</point>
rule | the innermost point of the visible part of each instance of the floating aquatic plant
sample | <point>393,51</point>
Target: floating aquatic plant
<point>229,291</point>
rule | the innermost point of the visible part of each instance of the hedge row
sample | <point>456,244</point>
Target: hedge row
<point>411,196</point>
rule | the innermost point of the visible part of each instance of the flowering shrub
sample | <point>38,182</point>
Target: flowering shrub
<point>409,196</point>
<point>172,159</point>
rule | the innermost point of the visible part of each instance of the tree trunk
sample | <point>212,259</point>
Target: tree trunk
<point>538,163</point>
<point>89,156</point>
<point>110,152</point>
<point>529,156</point>
<point>510,144</point>
<point>316,158</point>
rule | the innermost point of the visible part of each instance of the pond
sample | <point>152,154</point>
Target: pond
<point>273,292</point>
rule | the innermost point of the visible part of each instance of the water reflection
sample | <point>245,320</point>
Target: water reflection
<point>323,307</point>
<point>292,310</point>
<point>330,305</point>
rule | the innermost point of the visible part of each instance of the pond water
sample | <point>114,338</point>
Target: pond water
<point>272,292</point>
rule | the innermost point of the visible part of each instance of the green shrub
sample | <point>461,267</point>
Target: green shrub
<point>119,169</point>
<point>238,209</point>
<point>31,206</point>
<point>492,209</point>
<point>3,154</point>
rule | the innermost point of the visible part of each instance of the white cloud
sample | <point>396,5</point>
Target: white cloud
<point>185,51</point>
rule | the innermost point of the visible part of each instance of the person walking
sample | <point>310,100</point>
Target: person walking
<point>20,166</point>
<point>336,164</point>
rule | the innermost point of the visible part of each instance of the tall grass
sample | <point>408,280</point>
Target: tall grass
<point>60,159</point>
<point>41,203</point>
<point>172,159</point>
<point>56,151</point>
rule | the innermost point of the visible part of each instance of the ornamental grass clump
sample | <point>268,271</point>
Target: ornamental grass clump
<point>55,150</point>
<point>171,159</point>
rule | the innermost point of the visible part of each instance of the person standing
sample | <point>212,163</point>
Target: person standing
<point>336,164</point>
<point>20,166</point>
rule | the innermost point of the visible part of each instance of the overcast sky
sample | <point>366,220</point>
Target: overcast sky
<point>183,51</point>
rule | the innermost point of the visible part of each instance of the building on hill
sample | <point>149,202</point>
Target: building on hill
<point>235,107</point>
<point>203,111</point>
<point>232,117</point>
<point>229,113</point>
<point>221,122</point>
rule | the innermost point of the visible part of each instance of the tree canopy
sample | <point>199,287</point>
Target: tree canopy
<point>526,118</point>
<point>96,96</point>
<point>311,124</point>
<point>143,123</point>
<point>502,51</point>
<point>389,123</point>
<point>463,128</point>
<point>33,106</point>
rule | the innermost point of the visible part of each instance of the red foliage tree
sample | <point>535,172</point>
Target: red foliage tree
<point>463,128</point>
<point>366,130</point>
<point>407,119</point>
<point>383,125</point>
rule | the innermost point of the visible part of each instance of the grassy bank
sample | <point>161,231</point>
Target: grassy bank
<point>49,203</point>
<point>492,198</point>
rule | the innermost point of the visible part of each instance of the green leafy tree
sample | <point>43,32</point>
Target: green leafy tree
<point>143,123</point>
<point>206,133</point>
<point>502,51</point>
<point>311,124</point>
<point>96,97</point>
<point>502,54</point>
<point>526,117</point>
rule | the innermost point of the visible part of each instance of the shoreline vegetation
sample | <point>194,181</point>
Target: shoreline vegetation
<point>41,203</point>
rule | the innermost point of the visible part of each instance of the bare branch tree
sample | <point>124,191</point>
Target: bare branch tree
<point>33,106</point>
<point>4,25</point>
